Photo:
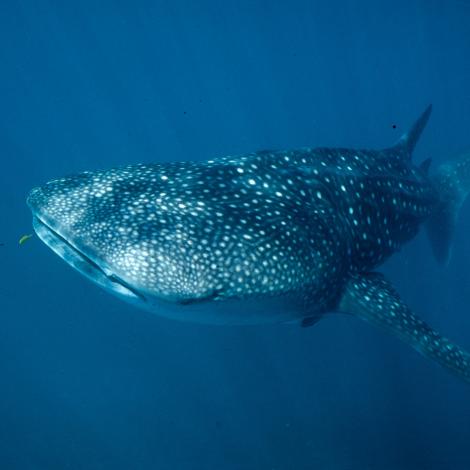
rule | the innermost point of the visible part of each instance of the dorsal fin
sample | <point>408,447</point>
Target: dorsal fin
<point>424,166</point>
<point>408,140</point>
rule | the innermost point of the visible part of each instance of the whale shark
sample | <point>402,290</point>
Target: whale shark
<point>264,237</point>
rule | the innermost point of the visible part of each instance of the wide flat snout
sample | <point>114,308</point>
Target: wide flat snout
<point>37,202</point>
<point>66,218</point>
<point>36,199</point>
<point>83,264</point>
<point>60,201</point>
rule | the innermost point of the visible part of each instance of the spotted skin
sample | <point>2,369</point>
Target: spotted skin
<point>262,237</point>
<point>233,228</point>
<point>372,298</point>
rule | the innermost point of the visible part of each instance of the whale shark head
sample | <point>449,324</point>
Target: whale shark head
<point>186,233</point>
<point>90,220</point>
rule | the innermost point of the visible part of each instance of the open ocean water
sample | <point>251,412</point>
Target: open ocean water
<point>89,382</point>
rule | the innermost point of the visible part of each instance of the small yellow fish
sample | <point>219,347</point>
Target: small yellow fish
<point>24,238</point>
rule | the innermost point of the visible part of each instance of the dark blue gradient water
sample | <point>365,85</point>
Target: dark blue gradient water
<point>87,382</point>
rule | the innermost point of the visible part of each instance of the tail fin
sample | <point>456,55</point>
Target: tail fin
<point>453,183</point>
<point>408,140</point>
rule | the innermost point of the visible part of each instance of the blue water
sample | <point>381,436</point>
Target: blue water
<point>87,382</point>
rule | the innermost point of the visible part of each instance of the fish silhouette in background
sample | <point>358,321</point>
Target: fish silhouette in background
<point>272,236</point>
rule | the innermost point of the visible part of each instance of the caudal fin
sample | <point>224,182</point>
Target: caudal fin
<point>453,183</point>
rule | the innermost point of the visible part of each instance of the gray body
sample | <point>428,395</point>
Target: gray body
<point>264,237</point>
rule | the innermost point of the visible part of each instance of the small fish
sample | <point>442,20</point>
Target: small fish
<point>25,238</point>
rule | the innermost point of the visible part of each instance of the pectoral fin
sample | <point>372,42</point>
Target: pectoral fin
<point>371,297</point>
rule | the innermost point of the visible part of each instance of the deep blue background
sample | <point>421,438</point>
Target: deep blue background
<point>87,382</point>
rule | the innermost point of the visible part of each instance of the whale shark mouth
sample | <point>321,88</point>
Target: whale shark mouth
<point>83,263</point>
